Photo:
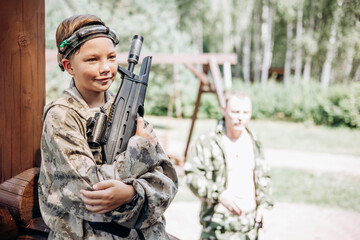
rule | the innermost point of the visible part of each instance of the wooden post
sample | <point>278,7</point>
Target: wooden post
<point>22,84</point>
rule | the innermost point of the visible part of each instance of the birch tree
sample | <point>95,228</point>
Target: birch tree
<point>287,10</point>
<point>247,42</point>
<point>309,43</point>
<point>257,41</point>
<point>331,49</point>
<point>299,32</point>
<point>266,30</point>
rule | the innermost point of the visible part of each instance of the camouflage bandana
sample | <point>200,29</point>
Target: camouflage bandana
<point>82,35</point>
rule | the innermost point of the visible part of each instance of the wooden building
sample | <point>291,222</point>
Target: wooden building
<point>22,96</point>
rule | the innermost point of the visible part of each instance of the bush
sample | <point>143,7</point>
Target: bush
<point>339,106</point>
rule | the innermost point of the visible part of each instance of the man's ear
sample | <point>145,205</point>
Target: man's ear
<point>67,66</point>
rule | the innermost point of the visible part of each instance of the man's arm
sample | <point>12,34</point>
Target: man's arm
<point>200,173</point>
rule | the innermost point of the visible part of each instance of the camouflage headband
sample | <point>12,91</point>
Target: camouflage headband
<point>82,35</point>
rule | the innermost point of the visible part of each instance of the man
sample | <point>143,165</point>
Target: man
<point>226,169</point>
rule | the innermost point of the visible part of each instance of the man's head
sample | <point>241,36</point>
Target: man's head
<point>237,113</point>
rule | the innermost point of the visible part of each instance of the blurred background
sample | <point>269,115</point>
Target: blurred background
<point>299,60</point>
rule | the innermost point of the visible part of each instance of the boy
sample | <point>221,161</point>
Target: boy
<point>80,196</point>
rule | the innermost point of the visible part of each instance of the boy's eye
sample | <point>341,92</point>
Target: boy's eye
<point>112,57</point>
<point>91,60</point>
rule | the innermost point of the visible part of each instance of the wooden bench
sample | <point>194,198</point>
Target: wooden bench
<point>20,216</point>
<point>19,208</point>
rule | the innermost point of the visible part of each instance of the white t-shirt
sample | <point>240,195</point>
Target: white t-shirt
<point>240,170</point>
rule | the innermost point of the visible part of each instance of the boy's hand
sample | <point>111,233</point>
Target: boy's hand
<point>107,196</point>
<point>145,130</point>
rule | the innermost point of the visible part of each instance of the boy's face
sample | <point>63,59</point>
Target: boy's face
<point>237,114</point>
<point>94,66</point>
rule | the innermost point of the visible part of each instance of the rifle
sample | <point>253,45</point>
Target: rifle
<point>113,131</point>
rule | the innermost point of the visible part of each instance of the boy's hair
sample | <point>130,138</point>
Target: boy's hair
<point>70,25</point>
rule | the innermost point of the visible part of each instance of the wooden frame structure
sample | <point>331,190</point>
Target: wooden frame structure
<point>209,70</point>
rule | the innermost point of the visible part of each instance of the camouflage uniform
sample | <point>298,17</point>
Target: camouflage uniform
<point>68,165</point>
<point>206,175</point>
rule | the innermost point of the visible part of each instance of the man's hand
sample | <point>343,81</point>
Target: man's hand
<point>107,196</point>
<point>226,199</point>
<point>146,131</point>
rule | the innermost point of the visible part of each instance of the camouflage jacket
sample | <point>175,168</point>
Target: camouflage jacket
<point>206,173</point>
<point>68,165</point>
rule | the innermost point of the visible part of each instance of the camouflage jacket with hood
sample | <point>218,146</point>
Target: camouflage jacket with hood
<point>68,165</point>
<point>206,174</point>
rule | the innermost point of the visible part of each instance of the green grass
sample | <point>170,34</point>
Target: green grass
<point>324,189</point>
<point>307,137</point>
<point>300,186</point>
<point>273,134</point>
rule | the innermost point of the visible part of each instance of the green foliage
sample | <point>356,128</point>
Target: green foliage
<point>338,106</point>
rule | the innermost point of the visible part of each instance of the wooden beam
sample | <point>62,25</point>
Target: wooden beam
<point>163,58</point>
<point>22,84</point>
<point>159,58</point>
<point>216,74</point>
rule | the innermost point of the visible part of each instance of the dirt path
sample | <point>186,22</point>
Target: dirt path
<point>285,222</point>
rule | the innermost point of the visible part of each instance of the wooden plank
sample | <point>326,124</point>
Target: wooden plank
<point>22,24</point>
<point>200,75</point>
<point>8,39</point>
<point>159,58</point>
<point>216,74</point>
<point>164,58</point>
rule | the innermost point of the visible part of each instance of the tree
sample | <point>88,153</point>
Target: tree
<point>267,29</point>
<point>299,33</point>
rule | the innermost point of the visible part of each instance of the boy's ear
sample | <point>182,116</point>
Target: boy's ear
<point>67,66</point>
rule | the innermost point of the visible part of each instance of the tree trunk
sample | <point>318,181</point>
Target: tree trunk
<point>357,74</point>
<point>307,69</point>
<point>227,43</point>
<point>298,53</point>
<point>348,62</point>
<point>246,56</point>
<point>268,12</point>
<point>289,52</point>
<point>308,58</point>
<point>256,42</point>
<point>326,70</point>
<point>197,34</point>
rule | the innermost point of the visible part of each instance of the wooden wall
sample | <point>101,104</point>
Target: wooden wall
<point>22,84</point>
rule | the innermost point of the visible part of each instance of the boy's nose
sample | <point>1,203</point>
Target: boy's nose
<point>104,66</point>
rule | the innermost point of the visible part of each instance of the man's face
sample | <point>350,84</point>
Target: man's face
<point>237,114</point>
